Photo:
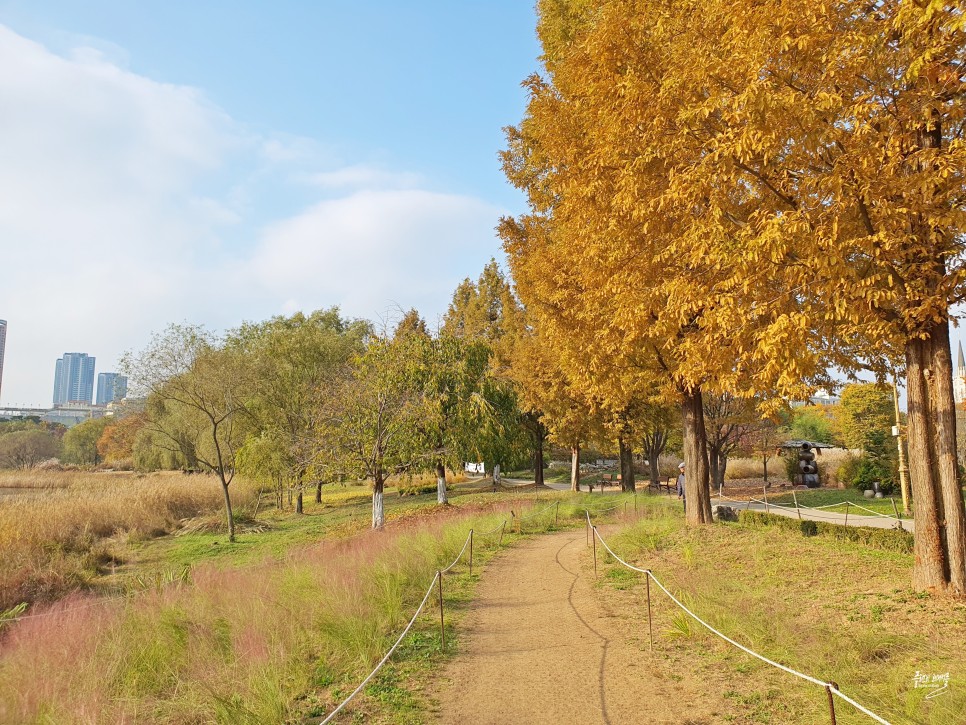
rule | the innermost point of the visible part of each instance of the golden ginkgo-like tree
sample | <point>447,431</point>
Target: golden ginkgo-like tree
<point>748,194</point>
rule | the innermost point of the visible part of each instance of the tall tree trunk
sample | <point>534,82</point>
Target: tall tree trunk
<point>378,512</point>
<point>654,444</point>
<point>318,491</point>
<point>764,467</point>
<point>575,468</point>
<point>539,436</point>
<point>696,484</point>
<point>940,537</point>
<point>441,483</point>
<point>627,465</point>
<point>298,501</point>
<point>713,462</point>
<point>231,519</point>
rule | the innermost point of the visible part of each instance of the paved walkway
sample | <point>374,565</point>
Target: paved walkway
<point>853,519</point>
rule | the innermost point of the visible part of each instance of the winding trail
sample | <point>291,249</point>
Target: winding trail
<point>539,646</point>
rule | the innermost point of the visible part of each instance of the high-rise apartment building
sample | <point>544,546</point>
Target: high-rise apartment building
<point>110,387</point>
<point>3,345</point>
<point>74,379</point>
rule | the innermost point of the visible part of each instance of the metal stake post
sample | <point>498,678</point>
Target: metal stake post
<point>442,627</point>
<point>502,530</point>
<point>650,630</point>
<point>471,552</point>
<point>594,534</point>
<point>894,507</point>
<point>765,492</point>
<point>556,513</point>
<point>847,514</point>
<point>831,700</point>
<point>796,506</point>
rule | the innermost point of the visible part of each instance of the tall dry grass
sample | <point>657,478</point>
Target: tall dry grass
<point>57,541</point>
<point>274,642</point>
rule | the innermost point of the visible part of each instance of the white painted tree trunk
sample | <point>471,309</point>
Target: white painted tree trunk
<point>378,512</point>
<point>441,485</point>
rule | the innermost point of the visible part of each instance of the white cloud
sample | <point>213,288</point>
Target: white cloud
<point>127,203</point>
<point>373,249</point>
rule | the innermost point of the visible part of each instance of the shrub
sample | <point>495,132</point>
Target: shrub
<point>884,539</point>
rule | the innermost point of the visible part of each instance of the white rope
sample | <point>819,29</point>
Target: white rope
<point>388,654</point>
<point>404,632</point>
<point>493,531</point>
<point>740,646</point>
<point>460,555</point>
<point>601,511</point>
<point>537,513</point>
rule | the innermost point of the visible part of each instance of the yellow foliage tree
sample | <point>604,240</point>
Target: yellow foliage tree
<point>754,192</point>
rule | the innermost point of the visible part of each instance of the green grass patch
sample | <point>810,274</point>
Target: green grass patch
<point>826,497</point>
<point>837,606</point>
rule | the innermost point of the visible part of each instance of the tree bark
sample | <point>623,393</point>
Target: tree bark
<point>940,535</point>
<point>378,512</point>
<point>713,463</point>
<point>575,468</point>
<point>654,445</point>
<point>538,438</point>
<point>441,483</point>
<point>298,502</point>
<point>627,465</point>
<point>231,519</point>
<point>318,491</point>
<point>696,482</point>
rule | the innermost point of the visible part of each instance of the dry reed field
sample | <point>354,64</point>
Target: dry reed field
<point>80,524</point>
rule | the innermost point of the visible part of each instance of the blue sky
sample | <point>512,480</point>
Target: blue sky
<point>221,161</point>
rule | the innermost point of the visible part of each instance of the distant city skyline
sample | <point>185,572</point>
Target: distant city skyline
<point>3,345</point>
<point>74,378</point>
<point>111,387</point>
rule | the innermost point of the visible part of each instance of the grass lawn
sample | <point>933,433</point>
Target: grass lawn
<point>835,610</point>
<point>826,497</point>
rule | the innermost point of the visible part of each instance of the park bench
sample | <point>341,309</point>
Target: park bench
<point>671,484</point>
<point>609,479</point>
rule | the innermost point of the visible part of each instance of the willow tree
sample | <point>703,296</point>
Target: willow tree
<point>291,358</point>
<point>199,392</point>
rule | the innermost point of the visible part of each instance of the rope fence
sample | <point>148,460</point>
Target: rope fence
<point>436,583</point>
<point>812,510</point>
<point>831,688</point>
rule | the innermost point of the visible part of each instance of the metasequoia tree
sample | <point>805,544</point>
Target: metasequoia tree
<point>488,311</point>
<point>544,387</point>
<point>792,171</point>
<point>657,428</point>
<point>632,289</point>
<point>845,121</point>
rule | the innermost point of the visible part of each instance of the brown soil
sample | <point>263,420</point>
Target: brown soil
<point>542,644</point>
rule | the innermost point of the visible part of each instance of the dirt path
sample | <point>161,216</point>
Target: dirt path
<point>540,646</point>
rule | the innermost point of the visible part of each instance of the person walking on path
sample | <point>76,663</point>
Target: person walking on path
<point>681,495</point>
